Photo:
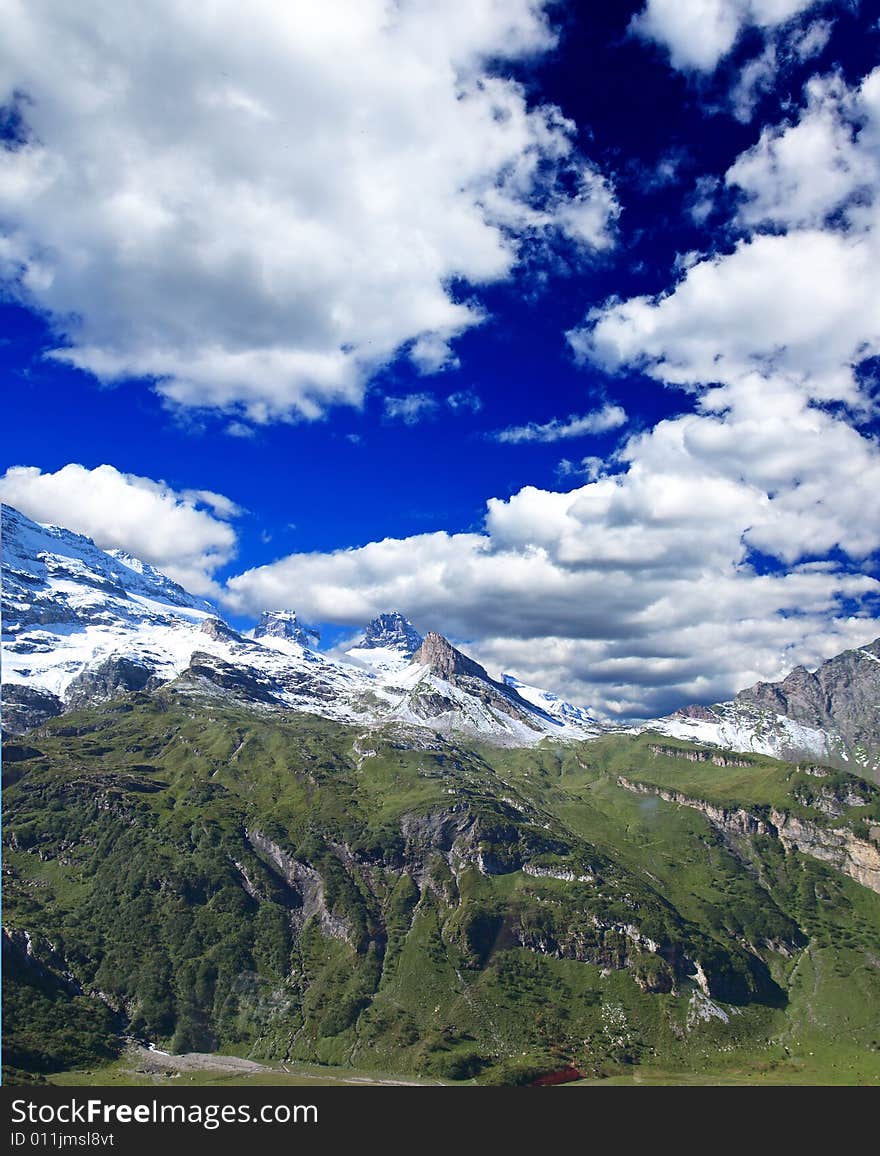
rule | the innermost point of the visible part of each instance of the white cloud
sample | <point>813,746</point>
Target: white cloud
<point>412,408</point>
<point>799,173</point>
<point>416,407</point>
<point>590,467</point>
<point>432,353</point>
<point>633,593</point>
<point>698,33</point>
<point>729,543</point>
<point>599,421</point>
<point>757,77</point>
<point>762,73</point>
<point>257,206</point>
<point>702,202</point>
<point>811,40</point>
<point>636,592</point>
<point>800,303</point>
<point>172,531</point>
<point>464,401</point>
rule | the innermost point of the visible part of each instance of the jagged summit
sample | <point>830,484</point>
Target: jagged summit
<point>83,625</point>
<point>391,631</point>
<point>444,660</point>
<point>828,714</point>
<point>285,624</point>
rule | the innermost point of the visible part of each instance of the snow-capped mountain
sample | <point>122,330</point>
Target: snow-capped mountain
<point>830,714</point>
<point>553,705</point>
<point>285,624</point>
<point>82,625</point>
<point>68,607</point>
<point>388,643</point>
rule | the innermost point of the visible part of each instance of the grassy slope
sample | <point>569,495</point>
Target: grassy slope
<point>128,826</point>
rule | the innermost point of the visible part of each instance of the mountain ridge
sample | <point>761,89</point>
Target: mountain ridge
<point>81,624</point>
<point>830,714</point>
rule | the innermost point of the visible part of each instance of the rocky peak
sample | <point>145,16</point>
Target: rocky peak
<point>391,631</point>
<point>841,694</point>
<point>445,661</point>
<point>285,624</point>
<point>220,631</point>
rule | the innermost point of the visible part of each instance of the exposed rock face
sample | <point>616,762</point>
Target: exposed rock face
<point>304,881</point>
<point>239,681</point>
<point>391,631</point>
<point>842,695</point>
<point>455,668</point>
<point>25,707</point>
<point>830,715</point>
<point>730,820</point>
<point>221,631</point>
<point>285,624</point>
<point>445,661</point>
<point>717,760</point>
<point>839,846</point>
<point>114,677</point>
<point>835,845</point>
<point>698,712</point>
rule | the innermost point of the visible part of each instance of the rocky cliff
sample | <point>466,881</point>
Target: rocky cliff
<point>839,846</point>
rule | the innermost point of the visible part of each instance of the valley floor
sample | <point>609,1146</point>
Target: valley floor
<point>140,1067</point>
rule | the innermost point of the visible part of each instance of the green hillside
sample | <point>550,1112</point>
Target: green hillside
<point>290,889</point>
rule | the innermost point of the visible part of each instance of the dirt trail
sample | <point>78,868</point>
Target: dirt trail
<point>149,1060</point>
<point>152,1062</point>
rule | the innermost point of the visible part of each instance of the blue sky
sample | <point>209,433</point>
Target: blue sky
<point>554,326</point>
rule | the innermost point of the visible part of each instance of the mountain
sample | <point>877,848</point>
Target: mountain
<point>285,624</point>
<point>830,715</point>
<point>455,687</point>
<point>222,841</point>
<point>552,704</point>
<point>387,644</point>
<point>391,631</point>
<point>83,625</point>
<point>69,609</point>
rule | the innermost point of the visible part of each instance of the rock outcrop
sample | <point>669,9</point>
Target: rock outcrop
<point>27,706</point>
<point>838,846</point>
<point>112,678</point>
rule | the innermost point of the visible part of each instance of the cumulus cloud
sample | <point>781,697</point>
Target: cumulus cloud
<point>800,300</point>
<point>256,207</point>
<point>826,162</point>
<point>726,544</point>
<point>698,33</point>
<point>636,592</point>
<point>599,421</point>
<point>185,535</point>
<point>803,303</point>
